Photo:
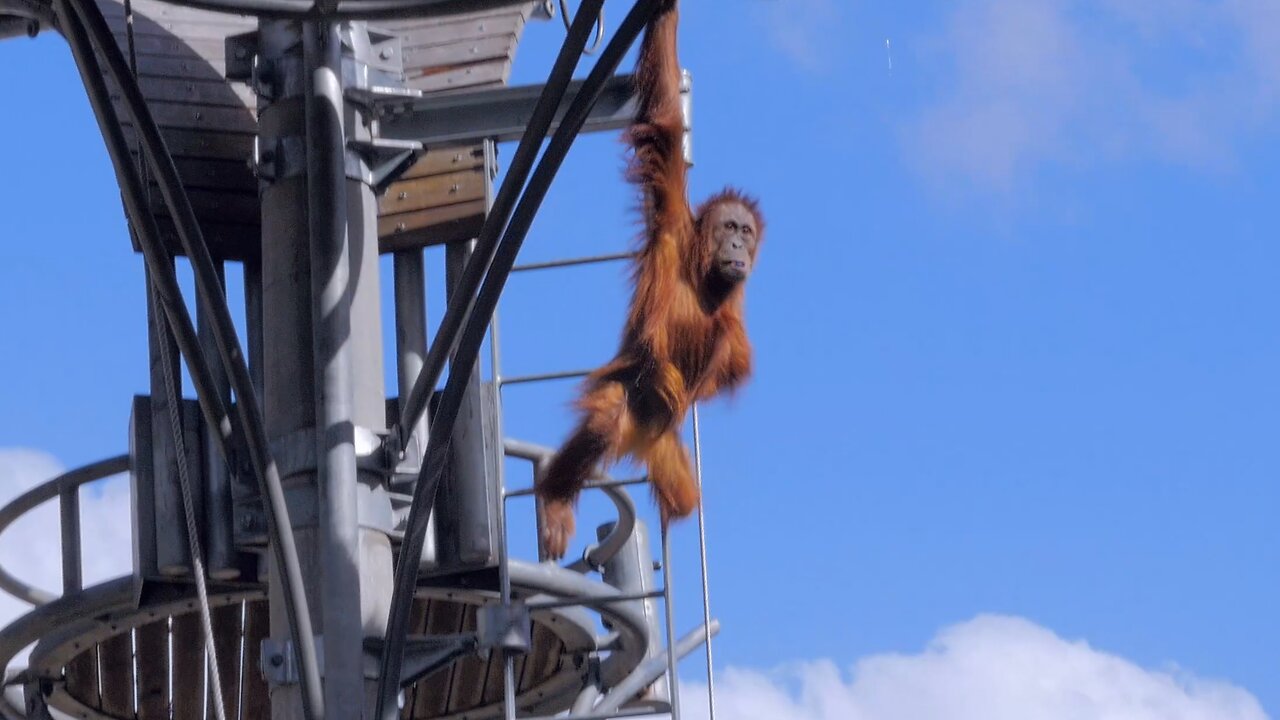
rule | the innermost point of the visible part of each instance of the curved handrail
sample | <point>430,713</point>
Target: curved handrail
<point>36,496</point>
<point>602,552</point>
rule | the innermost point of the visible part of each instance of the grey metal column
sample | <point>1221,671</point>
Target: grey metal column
<point>322,347</point>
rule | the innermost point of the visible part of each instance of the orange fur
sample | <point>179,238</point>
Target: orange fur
<point>678,346</point>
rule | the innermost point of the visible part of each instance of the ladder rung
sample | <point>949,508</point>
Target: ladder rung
<point>544,377</point>
<point>590,260</point>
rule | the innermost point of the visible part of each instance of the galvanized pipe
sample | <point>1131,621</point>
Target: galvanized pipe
<point>220,552</point>
<point>69,516</point>
<point>458,312</point>
<point>91,31</point>
<point>332,289</point>
<point>651,669</point>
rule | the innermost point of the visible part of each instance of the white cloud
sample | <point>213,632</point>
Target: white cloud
<point>990,668</point>
<point>805,31</point>
<point>30,548</point>
<point>1086,82</point>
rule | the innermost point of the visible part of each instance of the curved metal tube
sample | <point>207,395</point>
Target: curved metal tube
<point>42,493</point>
<point>346,9</point>
<point>603,551</point>
<point>92,24</point>
<point>651,670</point>
<point>31,10</point>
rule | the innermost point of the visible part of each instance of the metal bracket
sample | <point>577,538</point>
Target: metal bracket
<point>505,627</point>
<point>386,160</point>
<point>423,654</point>
<point>241,51</point>
<point>279,663</point>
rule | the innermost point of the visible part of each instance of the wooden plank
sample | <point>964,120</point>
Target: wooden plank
<point>493,684</point>
<point>500,47</point>
<point>115,664</point>
<point>430,227</point>
<point>544,657</point>
<point>190,67</point>
<point>218,93</point>
<point>213,205</point>
<point>432,191</point>
<point>151,8</point>
<point>417,626</point>
<point>226,242</point>
<point>419,33</point>
<point>469,673</point>
<point>193,144</point>
<point>153,670</point>
<point>226,633</point>
<point>462,77</point>
<point>212,50</point>
<point>229,175</point>
<point>203,118</point>
<point>82,677</point>
<point>254,697</point>
<point>445,159</point>
<point>188,665</point>
<point>443,618</point>
<point>215,28</point>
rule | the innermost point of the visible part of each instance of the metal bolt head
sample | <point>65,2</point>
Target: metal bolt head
<point>386,53</point>
<point>241,53</point>
<point>277,660</point>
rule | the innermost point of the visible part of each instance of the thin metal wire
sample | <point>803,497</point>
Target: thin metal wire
<point>702,551</point>
<point>188,510</point>
<point>570,262</point>
<point>668,602</point>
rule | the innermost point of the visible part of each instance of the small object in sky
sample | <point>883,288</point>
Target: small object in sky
<point>888,51</point>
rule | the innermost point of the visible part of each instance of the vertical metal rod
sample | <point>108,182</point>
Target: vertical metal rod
<point>504,556</point>
<point>220,552</point>
<point>69,512</point>
<point>253,320</point>
<point>332,289</point>
<point>668,603</point>
<point>410,282</point>
<point>702,552</point>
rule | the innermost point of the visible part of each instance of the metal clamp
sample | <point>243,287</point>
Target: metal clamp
<point>505,627</point>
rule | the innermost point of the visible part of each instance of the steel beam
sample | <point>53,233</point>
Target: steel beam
<point>501,114</point>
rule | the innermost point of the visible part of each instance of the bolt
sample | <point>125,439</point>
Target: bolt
<point>386,53</point>
<point>241,53</point>
<point>277,660</point>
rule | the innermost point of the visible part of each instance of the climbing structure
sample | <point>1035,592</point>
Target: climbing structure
<point>329,551</point>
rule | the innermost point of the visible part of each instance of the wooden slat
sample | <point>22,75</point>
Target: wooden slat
<point>443,618</point>
<point>190,67</point>
<point>493,685</point>
<point>462,77</point>
<point>82,677</point>
<point>115,663</point>
<point>445,159</point>
<point>188,666</point>
<point>544,658</point>
<point>419,33</point>
<point>154,9</point>
<point>469,674</point>
<point>195,144</point>
<point>201,173</point>
<point>153,670</point>
<point>430,227</point>
<point>417,626</point>
<point>216,206</point>
<point>432,191</point>
<point>255,700</point>
<point>218,93</point>
<point>226,632</point>
<point>217,27</point>
<point>203,118</point>
<point>213,50</point>
<point>226,242</point>
<point>500,47</point>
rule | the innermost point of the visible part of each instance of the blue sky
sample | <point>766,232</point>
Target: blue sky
<point>1015,332</point>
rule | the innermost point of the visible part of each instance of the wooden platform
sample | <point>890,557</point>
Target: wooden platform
<point>128,676</point>
<point>209,123</point>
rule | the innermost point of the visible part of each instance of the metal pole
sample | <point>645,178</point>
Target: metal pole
<point>220,553</point>
<point>331,319</point>
<point>668,604</point>
<point>702,553</point>
<point>411,347</point>
<point>69,510</point>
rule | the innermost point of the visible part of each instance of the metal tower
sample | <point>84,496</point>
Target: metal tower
<point>304,545</point>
